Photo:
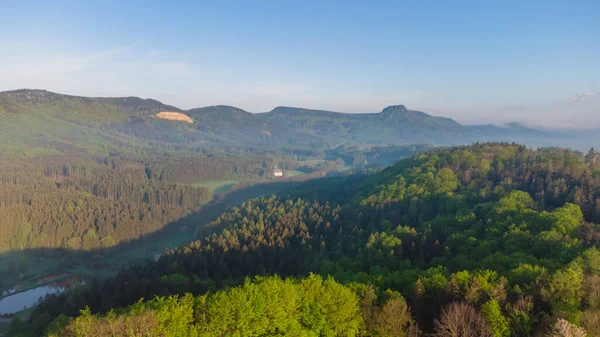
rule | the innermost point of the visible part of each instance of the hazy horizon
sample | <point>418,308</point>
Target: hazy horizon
<point>476,63</point>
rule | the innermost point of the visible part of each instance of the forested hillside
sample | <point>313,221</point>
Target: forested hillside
<point>105,125</point>
<point>54,202</point>
<point>87,204</point>
<point>84,180</point>
<point>490,239</point>
<point>395,125</point>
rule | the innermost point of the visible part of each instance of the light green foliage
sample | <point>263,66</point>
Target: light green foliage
<point>264,307</point>
<point>329,308</point>
<point>484,166</point>
<point>383,243</point>
<point>480,286</point>
<point>175,315</point>
<point>515,201</point>
<point>434,281</point>
<point>498,324</point>
<point>238,312</point>
<point>423,181</point>
<point>445,181</point>
<point>217,185</point>
<point>567,218</point>
<point>528,276</point>
<point>565,293</point>
<point>591,261</point>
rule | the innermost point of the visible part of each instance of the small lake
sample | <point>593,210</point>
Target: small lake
<point>26,299</point>
<point>29,298</point>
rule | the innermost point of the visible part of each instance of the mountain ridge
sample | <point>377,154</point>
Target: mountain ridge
<point>282,126</point>
<point>391,110</point>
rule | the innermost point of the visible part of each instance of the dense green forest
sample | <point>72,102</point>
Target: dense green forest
<point>97,202</point>
<point>108,171</point>
<point>266,306</point>
<point>487,240</point>
<point>81,208</point>
<point>88,204</point>
<point>83,180</point>
<point>498,233</point>
<point>93,202</point>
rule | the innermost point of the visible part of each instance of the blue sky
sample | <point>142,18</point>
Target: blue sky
<point>480,61</point>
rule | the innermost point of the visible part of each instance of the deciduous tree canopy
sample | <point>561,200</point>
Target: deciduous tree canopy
<point>484,240</point>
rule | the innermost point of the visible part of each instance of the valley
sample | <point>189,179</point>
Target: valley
<point>299,169</point>
<point>133,199</point>
<point>490,226</point>
<point>102,157</point>
<point>44,270</point>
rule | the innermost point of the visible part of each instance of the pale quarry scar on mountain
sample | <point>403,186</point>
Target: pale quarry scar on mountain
<point>174,116</point>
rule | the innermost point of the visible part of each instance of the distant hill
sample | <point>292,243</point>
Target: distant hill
<point>393,125</point>
<point>396,125</point>
<point>25,99</point>
<point>35,121</point>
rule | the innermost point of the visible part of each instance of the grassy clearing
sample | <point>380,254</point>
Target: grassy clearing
<point>292,173</point>
<point>124,257</point>
<point>218,186</point>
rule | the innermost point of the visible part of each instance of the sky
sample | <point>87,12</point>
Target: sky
<point>536,62</point>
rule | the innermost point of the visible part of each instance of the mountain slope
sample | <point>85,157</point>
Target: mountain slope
<point>488,225</point>
<point>239,126</point>
<point>34,121</point>
<point>393,125</point>
<point>25,100</point>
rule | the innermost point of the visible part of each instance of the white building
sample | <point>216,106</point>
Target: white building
<point>278,172</point>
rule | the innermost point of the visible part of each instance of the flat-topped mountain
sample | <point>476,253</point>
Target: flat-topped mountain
<point>396,114</point>
<point>393,125</point>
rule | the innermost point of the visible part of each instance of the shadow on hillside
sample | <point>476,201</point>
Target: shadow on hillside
<point>195,271</point>
<point>212,210</point>
<point>27,266</point>
<point>222,264</point>
<point>285,250</point>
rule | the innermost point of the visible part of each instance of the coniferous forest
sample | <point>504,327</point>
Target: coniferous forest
<point>491,239</point>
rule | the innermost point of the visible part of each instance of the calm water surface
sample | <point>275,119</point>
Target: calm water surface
<point>27,299</point>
